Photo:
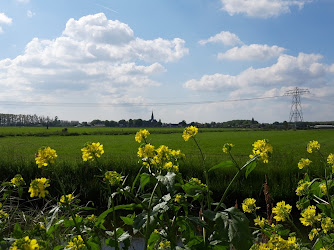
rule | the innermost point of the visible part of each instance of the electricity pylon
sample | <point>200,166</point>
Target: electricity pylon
<point>296,113</point>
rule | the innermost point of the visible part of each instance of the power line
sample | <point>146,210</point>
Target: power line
<point>128,104</point>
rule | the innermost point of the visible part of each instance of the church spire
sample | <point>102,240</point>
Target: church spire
<point>152,117</point>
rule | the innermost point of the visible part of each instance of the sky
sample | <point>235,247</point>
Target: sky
<point>192,60</point>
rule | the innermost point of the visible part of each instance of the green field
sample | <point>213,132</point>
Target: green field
<point>19,145</point>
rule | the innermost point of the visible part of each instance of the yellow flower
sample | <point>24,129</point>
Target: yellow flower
<point>227,147</point>
<point>261,222</point>
<point>312,145</point>
<point>302,187</point>
<point>45,156</point>
<point>263,149</point>
<point>178,198</point>
<point>309,216</point>
<point>189,132</point>
<point>92,151</point>
<point>66,199</point>
<point>3,215</point>
<point>76,243</point>
<point>113,177</point>
<point>25,244</point>
<point>164,245</point>
<point>195,181</point>
<point>248,205</point>
<point>314,232</point>
<point>327,224</point>
<point>303,163</point>
<point>141,135</point>
<point>323,188</point>
<point>147,151</point>
<point>169,167</point>
<point>91,217</point>
<point>17,181</point>
<point>330,159</point>
<point>282,211</point>
<point>37,187</point>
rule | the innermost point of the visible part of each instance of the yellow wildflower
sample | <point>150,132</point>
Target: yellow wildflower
<point>282,211</point>
<point>189,132</point>
<point>303,163</point>
<point>37,187</point>
<point>313,145</point>
<point>45,156</point>
<point>3,215</point>
<point>147,151</point>
<point>227,147</point>
<point>141,135</point>
<point>309,216</point>
<point>302,187</point>
<point>91,217</point>
<point>113,177</point>
<point>313,233</point>
<point>76,243</point>
<point>263,149</point>
<point>92,151</point>
<point>17,180</point>
<point>261,222</point>
<point>323,188</point>
<point>178,198</point>
<point>195,181</point>
<point>170,167</point>
<point>327,224</point>
<point>25,243</point>
<point>164,245</point>
<point>66,199</point>
<point>248,205</point>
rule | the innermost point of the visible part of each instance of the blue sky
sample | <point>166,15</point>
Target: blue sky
<point>192,60</point>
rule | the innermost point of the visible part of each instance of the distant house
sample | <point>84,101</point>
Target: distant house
<point>323,126</point>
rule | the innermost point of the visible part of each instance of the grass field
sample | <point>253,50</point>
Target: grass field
<point>19,145</point>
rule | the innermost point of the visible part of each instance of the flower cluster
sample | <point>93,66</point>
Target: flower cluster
<point>303,163</point>
<point>92,151</point>
<point>113,177</point>
<point>25,243</point>
<point>197,182</point>
<point>17,181</point>
<point>141,135</point>
<point>66,199</point>
<point>261,222</point>
<point>248,205</point>
<point>3,215</point>
<point>38,186</point>
<point>277,242</point>
<point>76,243</point>
<point>227,147</point>
<point>309,216</point>
<point>302,187</point>
<point>312,145</point>
<point>45,156</point>
<point>281,211</point>
<point>189,132</point>
<point>161,158</point>
<point>164,245</point>
<point>263,149</point>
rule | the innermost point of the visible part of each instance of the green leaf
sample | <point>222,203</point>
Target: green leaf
<point>224,164</point>
<point>119,207</point>
<point>168,180</point>
<point>128,220</point>
<point>144,180</point>
<point>17,231</point>
<point>153,241</point>
<point>251,166</point>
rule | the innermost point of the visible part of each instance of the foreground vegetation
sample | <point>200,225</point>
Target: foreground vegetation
<point>166,209</point>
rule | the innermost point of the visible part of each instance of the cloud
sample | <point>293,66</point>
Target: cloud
<point>303,70</point>
<point>252,52</point>
<point>224,37</point>
<point>263,8</point>
<point>23,1</point>
<point>30,14</point>
<point>4,20</point>
<point>93,58</point>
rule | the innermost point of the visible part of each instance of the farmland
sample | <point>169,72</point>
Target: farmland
<point>19,145</point>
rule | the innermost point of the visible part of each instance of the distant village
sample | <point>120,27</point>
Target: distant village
<point>34,120</point>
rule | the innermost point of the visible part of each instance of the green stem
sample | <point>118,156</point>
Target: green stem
<point>148,221</point>
<point>114,219</point>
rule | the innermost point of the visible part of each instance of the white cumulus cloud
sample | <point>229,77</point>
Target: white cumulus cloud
<point>261,8</point>
<point>4,19</point>
<point>303,70</point>
<point>224,37</point>
<point>30,14</point>
<point>94,57</point>
<point>252,52</point>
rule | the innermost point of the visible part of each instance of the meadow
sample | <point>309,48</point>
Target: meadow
<point>18,146</point>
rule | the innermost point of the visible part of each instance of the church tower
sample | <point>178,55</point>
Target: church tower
<point>152,117</point>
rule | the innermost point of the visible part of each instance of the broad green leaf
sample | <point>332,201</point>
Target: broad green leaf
<point>224,164</point>
<point>144,180</point>
<point>251,166</point>
<point>168,180</point>
<point>17,231</point>
<point>119,207</point>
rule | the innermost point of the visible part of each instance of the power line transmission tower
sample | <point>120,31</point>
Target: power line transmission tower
<point>296,113</point>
